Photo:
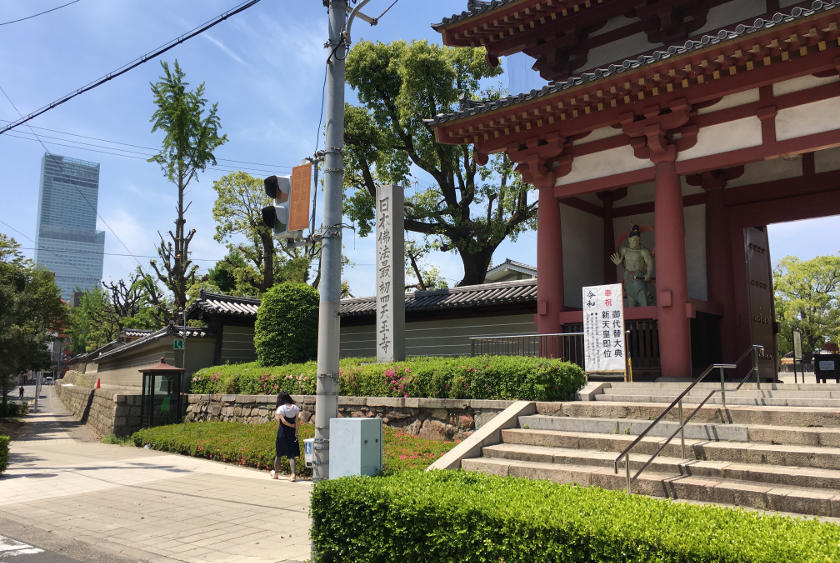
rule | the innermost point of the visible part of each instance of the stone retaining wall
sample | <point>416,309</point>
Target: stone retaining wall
<point>433,419</point>
<point>105,411</point>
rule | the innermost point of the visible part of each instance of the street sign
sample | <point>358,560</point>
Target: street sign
<point>797,346</point>
<point>603,329</point>
<point>178,344</point>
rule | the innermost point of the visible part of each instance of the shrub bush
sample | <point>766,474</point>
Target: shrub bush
<point>461,516</point>
<point>14,409</point>
<point>480,377</point>
<point>287,325</point>
<point>253,444</point>
<point>4,452</point>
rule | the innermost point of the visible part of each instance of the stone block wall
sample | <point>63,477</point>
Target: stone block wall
<point>104,411</point>
<point>433,419</point>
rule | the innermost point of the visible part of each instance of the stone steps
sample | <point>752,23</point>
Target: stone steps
<point>776,448</point>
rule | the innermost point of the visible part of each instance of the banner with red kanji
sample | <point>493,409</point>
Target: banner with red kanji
<point>603,329</point>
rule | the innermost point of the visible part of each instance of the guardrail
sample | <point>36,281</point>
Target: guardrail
<point>678,402</point>
<point>565,345</point>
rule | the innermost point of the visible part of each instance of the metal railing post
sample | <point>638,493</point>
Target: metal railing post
<point>627,468</point>
<point>756,348</point>
<point>722,388</point>
<point>682,430</point>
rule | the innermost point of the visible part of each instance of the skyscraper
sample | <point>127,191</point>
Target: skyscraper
<point>68,243</point>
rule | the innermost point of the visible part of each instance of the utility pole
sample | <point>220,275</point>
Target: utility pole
<point>326,394</point>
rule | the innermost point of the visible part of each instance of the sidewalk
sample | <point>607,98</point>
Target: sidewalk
<point>113,503</point>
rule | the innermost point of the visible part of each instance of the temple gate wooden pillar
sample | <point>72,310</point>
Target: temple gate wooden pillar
<point>550,296</point>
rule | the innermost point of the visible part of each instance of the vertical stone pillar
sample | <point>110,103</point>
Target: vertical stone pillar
<point>671,277</point>
<point>390,275</point>
<point>549,263</point>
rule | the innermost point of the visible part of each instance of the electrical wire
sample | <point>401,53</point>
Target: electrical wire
<point>39,13</point>
<point>139,156</point>
<point>49,154</point>
<point>135,256</point>
<point>17,231</point>
<point>131,65</point>
<point>155,150</point>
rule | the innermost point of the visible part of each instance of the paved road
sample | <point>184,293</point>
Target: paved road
<point>95,502</point>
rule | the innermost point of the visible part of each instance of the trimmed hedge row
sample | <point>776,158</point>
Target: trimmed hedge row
<point>462,516</point>
<point>4,452</point>
<point>481,377</point>
<point>14,409</point>
<point>253,444</point>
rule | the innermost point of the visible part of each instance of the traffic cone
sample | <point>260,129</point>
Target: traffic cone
<point>97,382</point>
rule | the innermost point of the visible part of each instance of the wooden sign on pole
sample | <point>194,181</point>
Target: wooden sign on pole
<point>299,204</point>
<point>603,330</point>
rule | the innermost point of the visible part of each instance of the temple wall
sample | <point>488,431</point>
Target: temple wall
<point>723,15</point>
<point>583,246</point>
<point>725,137</point>
<point>807,119</point>
<point>604,163</point>
<point>802,83</point>
<point>731,101</point>
<point>617,51</point>
<point>827,160</point>
<point>768,170</point>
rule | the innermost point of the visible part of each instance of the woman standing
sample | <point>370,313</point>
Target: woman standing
<point>286,443</point>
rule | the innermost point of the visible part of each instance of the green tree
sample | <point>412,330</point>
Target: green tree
<point>90,324</point>
<point>807,299</point>
<point>191,134</point>
<point>30,310</point>
<point>427,277</point>
<point>239,201</point>
<point>467,208</point>
<point>286,330</point>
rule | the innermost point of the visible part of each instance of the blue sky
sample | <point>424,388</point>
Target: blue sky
<point>264,67</point>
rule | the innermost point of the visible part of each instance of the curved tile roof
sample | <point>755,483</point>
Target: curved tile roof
<point>474,8</point>
<point>471,108</point>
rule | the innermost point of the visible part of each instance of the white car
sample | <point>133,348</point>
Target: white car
<point>48,380</point>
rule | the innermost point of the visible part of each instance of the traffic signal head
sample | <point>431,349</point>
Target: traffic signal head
<point>277,216</point>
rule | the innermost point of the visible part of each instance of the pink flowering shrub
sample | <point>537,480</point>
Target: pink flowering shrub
<point>482,377</point>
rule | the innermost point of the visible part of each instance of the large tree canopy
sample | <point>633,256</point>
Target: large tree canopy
<point>191,134</point>
<point>464,208</point>
<point>31,311</point>
<point>808,300</point>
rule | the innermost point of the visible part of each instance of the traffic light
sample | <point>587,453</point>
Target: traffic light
<point>290,214</point>
<point>276,216</point>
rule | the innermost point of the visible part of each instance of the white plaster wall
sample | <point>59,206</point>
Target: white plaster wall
<point>808,119</point>
<point>604,163</point>
<point>802,83</point>
<point>736,11</point>
<point>583,243</point>
<point>601,133</point>
<point>767,170</point>
<point>786,3</point>
<point>615,23</point>
<point>827,160</point>
<point>733,100</point>
<point>618,51</point>
<point>724,137</point>
<point>638,193</point>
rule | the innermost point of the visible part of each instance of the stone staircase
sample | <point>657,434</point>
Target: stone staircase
<point>775,448</point>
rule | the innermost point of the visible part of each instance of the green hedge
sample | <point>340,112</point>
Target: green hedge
<point>14,409</point>
<point>461,516</point>
<point>481,377</point>
<point>253,444</point>
<point>4,452</point>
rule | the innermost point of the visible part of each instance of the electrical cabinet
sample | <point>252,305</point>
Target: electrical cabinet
<point>355,446</point>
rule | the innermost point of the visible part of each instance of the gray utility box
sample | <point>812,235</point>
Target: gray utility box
<point>355,446</point>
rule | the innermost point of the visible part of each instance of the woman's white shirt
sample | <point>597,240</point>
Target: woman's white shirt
<point>289,411</point>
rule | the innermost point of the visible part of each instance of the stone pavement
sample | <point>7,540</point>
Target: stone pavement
<point>98,502</point>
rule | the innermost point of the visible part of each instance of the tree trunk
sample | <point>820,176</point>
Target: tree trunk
<point>475,266</point>
<point>268,261</point>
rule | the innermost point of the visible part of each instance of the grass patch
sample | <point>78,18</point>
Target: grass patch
<point>119,440</point>
<point>252,445</point>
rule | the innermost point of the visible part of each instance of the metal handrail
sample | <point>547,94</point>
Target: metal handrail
<point>678,402</point>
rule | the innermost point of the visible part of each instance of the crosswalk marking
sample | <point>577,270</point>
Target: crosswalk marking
<point>13,548</point>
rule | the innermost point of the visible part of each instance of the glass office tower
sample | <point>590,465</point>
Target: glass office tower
<point>68,243</point>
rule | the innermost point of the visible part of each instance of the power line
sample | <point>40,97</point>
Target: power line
<point>17,231</point>
<point>39,13</point>
<point>155,150</point>
<point>133,64</point>
<point>135,256</point>
<point>48,154</point>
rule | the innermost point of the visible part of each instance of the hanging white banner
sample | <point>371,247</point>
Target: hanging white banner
<point>603,329</point>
